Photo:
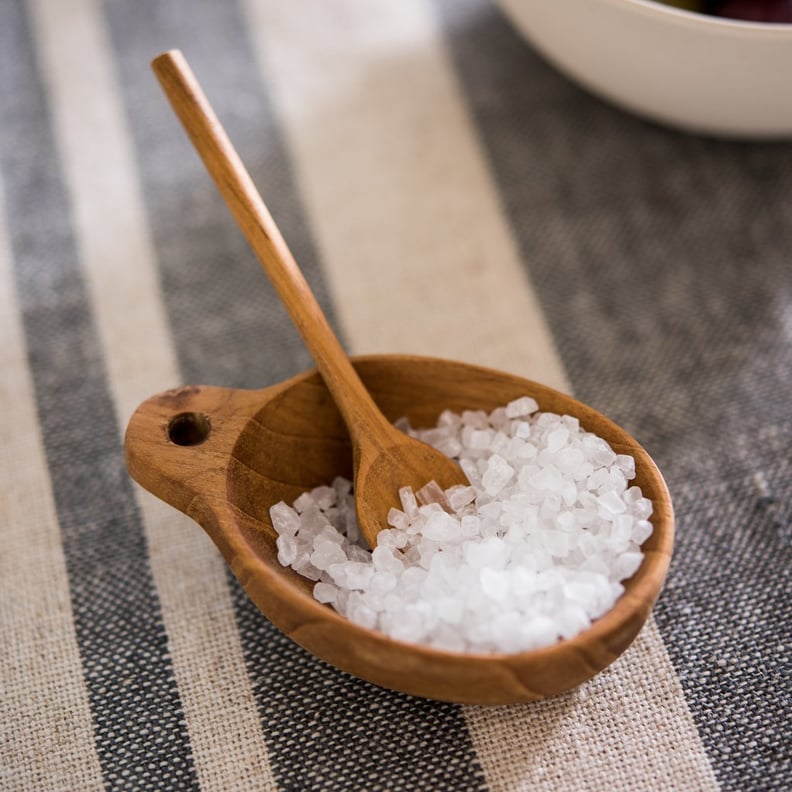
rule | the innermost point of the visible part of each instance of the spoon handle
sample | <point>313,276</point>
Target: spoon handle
<point>248,209</point>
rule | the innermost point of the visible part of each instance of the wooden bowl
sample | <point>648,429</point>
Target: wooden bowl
<point>224,456</point>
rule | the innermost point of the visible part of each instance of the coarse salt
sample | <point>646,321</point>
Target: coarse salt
<point>530,553</point>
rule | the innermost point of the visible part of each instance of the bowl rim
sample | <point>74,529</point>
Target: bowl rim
<point>643,588</point>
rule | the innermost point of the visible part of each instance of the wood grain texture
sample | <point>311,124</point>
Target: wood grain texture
<point>383,458</point>
<point>271,445</point>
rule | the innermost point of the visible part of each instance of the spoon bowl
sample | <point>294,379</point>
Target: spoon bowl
<point>225,456</point>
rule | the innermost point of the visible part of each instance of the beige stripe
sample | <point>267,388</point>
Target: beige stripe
<point>627,729</point>
<point>120,267</point>
<point>45,721</point>
<point>387,160</point>
<point>420,259</point>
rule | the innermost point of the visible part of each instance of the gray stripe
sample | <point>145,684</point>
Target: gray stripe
<point>663,264</point>
<point>233,329</point>
<point>119,631</point>
<point>324,729</point>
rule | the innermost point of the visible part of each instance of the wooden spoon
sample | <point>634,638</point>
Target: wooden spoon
<point>384,458</point>
<point>224,457</point>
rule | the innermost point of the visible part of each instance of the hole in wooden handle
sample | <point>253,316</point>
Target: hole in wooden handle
<point>189,429</point>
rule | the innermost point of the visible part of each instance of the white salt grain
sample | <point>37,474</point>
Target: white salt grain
<point>533,550</point>
<point>626,565</point>
<point>284,519</point>
<point>525,405</point>
<point>326,553</point>
<point>611,503</point>
<point>287,549</point>
<point>325,592</point>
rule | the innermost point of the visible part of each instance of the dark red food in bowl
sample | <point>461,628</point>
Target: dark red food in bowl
<point>752,10</point>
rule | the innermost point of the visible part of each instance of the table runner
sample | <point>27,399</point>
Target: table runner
<point>446,192</point>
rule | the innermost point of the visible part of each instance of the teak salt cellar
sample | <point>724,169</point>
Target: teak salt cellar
<point>224,457</point>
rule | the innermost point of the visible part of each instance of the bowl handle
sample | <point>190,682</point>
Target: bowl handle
<point>178,443</point>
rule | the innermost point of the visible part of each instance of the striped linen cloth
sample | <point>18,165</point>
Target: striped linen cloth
<point>448,193</point>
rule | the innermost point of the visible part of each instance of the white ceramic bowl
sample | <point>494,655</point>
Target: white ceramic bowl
<point>697,72</point>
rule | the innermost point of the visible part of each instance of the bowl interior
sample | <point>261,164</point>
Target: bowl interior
<point>298,441</point>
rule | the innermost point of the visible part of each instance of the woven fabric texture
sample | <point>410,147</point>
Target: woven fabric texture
<point>446,192</point>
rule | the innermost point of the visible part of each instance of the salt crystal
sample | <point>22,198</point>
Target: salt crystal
<point>611,503</point>
<point>490,512</point>
<point>521,430</point>
<point>569,492</point>
<point>583,471</point>
<point>618,482</point>
<point>358,574</point>
<point>342,486</point>
<point>469,525</point>
<point>622,529</point>
<point>459,497</point>
<point>480,439</point>
<point>498,418</point>
<point>408,500</point>
<point>538,632</point>
<point>324,497</point>
<point>571,423</point>
<point>597,479</point>
<point>475,418</point>
<point>303,502</point>
<point>357,553</point>
<point>329,534</point>
<point>431,493</point>
<point>327,553</point>
<point>548,421</point>
<point>499,473</point>
<point>642,530</point>
<point>384,558</point>
<point>338,574</point>
<point>626,565</point>
<point>506,631</point>
<point>352,528</point>
<point>308,570</point>
<point>442,527</point>
<point>449,446</point>
<point>642,509</point>
<point>284,519</point>
<point>557,439</point>
<point>626,464</point>
<point>572,620</point>
<point>325,592</point>
<point>568,459</point>
<point>287,549</point>
<point>398,519</point>
<point>395,539</point>
<point>470,469</point>
<point>547,478</point>
<point>500,444</point>
<point>449,420</point>
<point>312,521</point>
<point>361,614</point>
<point>525,405</point>
<point>382,582</point>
